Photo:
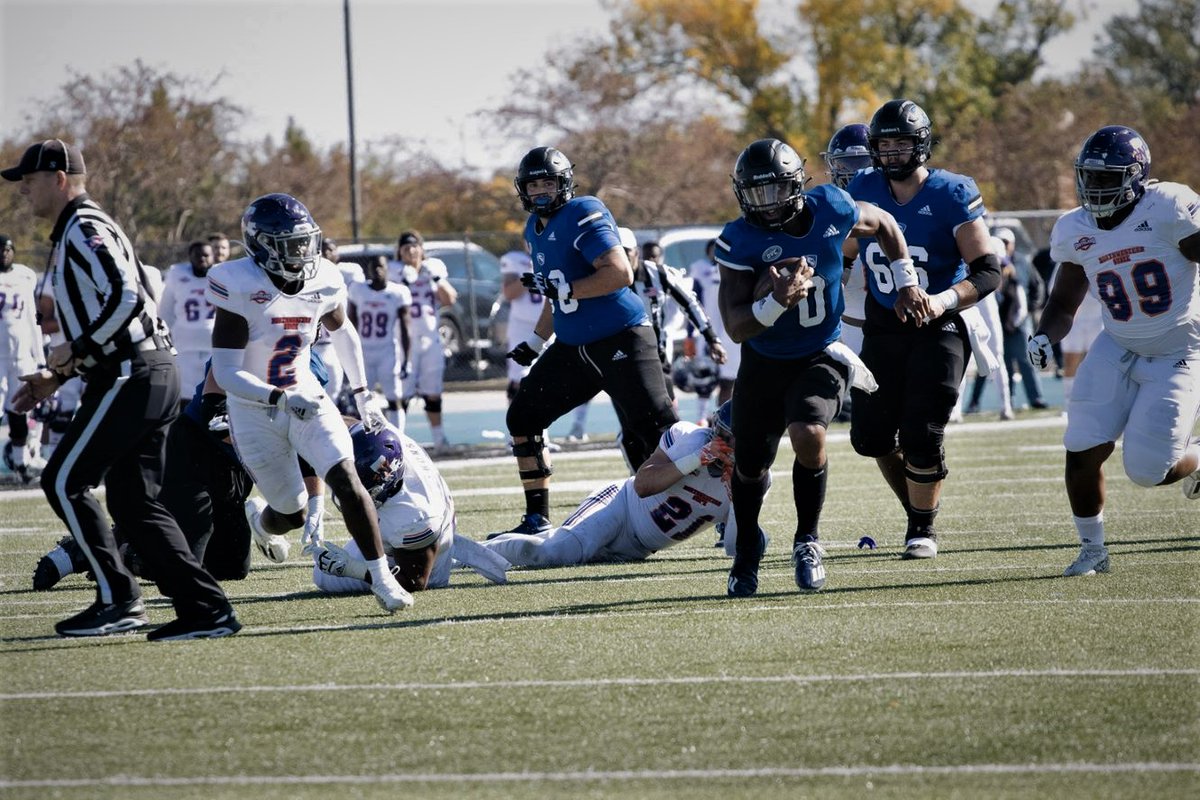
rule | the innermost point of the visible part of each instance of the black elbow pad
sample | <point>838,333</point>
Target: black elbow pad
<point>984,274</point>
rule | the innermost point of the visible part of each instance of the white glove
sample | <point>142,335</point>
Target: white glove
<point>369,411</point>
<point>1039,350</point>
<point>334,560</point>
<point>298,405</point>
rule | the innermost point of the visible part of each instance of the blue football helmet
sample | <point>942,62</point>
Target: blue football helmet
<point>849,151</point>
<point>721,420</point>
<point>901,119</point>
<point>282,237</point>
<point>1111,170</point>
<point>379,461</point>
<point>768,180</point>
<point>545,162</point>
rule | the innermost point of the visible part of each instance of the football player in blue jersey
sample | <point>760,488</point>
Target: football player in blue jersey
<point>913,340</point>
<point>794,371</point>
<point>603,338</point>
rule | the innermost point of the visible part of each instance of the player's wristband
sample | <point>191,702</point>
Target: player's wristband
<point>537,343</point>
<point>275,396</point>
<point>948,299</point>
<point>709,335</point>
<point>687,464</point>
<point>903,273</point>
<point>767,310</point>
<point>359,390</point>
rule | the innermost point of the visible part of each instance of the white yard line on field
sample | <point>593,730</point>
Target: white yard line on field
<point>841,771</point>
<point>602,683</point>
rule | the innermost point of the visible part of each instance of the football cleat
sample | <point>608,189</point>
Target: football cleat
<point>921,547</point>
<point>273,546</point>
<point>1092,558</point>
<point>391,596</point>
<point>1191,486</point>
<point>100,619</point>
<point>810,572</point>
<point>223,624</point>
<point>64,559</point>
<point>743,581</point>
<point>531,525</point>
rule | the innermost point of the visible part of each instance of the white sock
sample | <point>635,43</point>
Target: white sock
<point>316,511</point>
<point>439,434</point>
<point>378,572</point>
<point>18,455</point>
<point>701,407</point>
<point>62,561</point>
<point>1091,529</point>
<point>397,417</point>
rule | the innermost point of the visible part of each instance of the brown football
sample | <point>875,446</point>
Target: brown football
<point>764,285</point>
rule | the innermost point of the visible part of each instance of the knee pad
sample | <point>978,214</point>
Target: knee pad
<point>18,427</point>
<point>933,474</point>
<point>922,445</point>
<point>533,449</point>
<point>433,406</point>
<point>1141,464</point>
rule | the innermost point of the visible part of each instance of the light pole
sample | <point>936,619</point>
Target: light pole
<point>350,111</point>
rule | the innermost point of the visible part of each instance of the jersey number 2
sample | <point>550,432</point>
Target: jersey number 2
<point>281,370</point>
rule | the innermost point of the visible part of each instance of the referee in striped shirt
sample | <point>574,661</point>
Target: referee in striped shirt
<point>130,397</point>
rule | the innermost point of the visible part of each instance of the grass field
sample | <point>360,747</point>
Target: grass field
<point>979,674</point>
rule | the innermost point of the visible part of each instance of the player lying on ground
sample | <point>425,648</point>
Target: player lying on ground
<point>682,489</point>
<point>416,520</point>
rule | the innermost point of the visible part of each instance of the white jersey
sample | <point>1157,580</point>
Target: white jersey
<point>186,310</point>
<point>351,273</point>
<point>696,502</point>
<point>424,309</point>
<point>282,327</point>
<point>378,311</point>
<point>421,513</point>
<point>20,336</point>
<point>1149,290</point>
<point>526,310</point>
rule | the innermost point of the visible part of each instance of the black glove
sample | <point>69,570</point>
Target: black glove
<point>523,354</point>
<point>536,282</point>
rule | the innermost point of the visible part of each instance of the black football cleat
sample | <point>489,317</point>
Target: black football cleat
<point>101,619</point>
<point>64,559</point>
<point>214,627</point>
<point>531,525</point>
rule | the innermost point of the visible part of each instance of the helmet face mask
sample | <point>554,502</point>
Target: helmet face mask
<point>379,462</point>
<point>848,152</point>
<point>282,237</point>
<point>545,163</point>
<point>768,181</point>
<point>906,121</point>
<point>1111,170</point>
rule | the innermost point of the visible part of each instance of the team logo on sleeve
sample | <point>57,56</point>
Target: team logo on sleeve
<point>1085,243</point>
<point>261,296</point>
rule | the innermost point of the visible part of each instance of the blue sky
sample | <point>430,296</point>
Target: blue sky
<point>423,68</point>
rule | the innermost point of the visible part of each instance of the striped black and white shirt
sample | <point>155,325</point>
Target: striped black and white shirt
<point>99,286</point>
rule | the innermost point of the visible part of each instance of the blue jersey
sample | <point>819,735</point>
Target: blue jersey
<point>929,220</point>
<point>812,324</point>
<point>563,251</point>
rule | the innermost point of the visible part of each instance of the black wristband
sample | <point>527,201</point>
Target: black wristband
<point>359,390</point>
<point>273,399</point>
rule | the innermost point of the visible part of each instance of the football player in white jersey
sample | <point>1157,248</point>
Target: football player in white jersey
<point>66,399</point>
<point>429,282</point>
<point>682,489</point>
<point>416,519</point>
<point>189,315</point>
<point>524,310</point>
<point>268,307</point>
<point>1134,243</point>
<point>378,309</point>
<point>20,350</point>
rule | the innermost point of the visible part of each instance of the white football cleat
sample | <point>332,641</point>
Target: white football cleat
<point>1092,558</point>
<point>920,547</point>
<point>1191,486</point>
<point>391,596</point>
<point>273,546</point>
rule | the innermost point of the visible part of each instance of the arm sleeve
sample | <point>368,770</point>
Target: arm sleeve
<point>235,380</point>
<point>349,351</point>
<point>688,301</point>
